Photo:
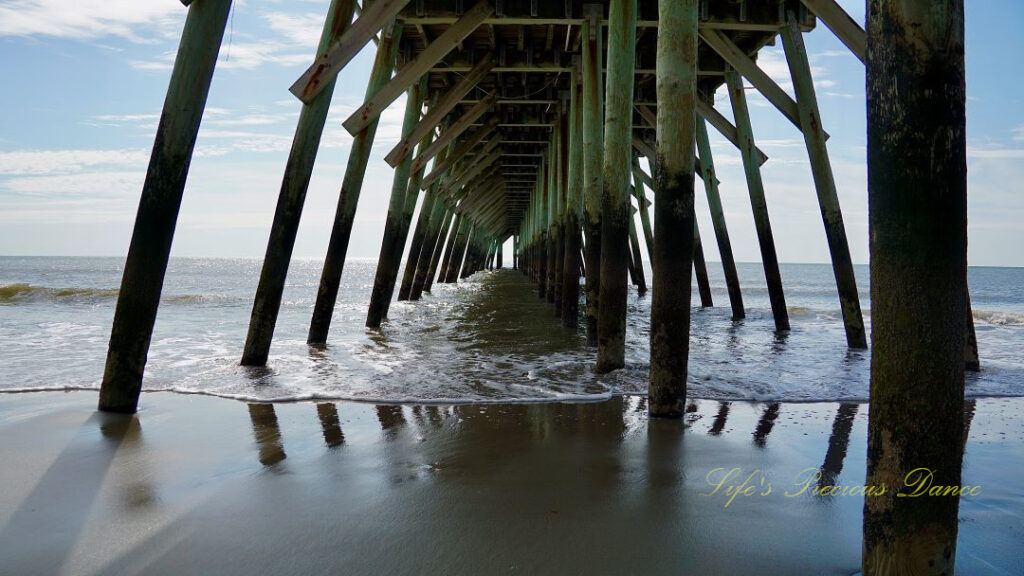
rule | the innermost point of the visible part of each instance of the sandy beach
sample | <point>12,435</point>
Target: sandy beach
<point>203,485</point>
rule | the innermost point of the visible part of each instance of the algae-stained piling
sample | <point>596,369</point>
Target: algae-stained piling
<point>917,194</point>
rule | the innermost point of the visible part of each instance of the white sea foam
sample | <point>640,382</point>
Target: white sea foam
<point>488,340</point>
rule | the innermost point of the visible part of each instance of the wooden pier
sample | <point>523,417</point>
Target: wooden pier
<point>532,121</point>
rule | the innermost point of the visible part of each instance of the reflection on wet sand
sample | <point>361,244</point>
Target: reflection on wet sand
<point>547,488</point>
<point>330,425</point>
<point>267,434</point>
<point>765,424</point>
<point>720,419</point>
<point>391,420</point>
<point>837,444</point>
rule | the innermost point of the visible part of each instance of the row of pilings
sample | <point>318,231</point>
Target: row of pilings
<point>577,221</point>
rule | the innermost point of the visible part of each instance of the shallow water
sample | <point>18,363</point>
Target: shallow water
<point>489,339</point>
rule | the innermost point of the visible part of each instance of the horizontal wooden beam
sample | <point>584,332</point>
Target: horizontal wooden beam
<point>355,37</point>
<point>548,69</point>
<point>726,25</point>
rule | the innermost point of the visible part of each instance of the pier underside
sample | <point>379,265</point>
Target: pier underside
<point>571,128</point>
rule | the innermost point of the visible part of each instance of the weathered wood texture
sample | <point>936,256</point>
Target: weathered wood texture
<point>618,155</point>
<point>162,191</point>
<point>917,199</point>
<point>291,200</point>
<point>674,221</point>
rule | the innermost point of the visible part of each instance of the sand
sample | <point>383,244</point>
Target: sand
<point>200,485</point>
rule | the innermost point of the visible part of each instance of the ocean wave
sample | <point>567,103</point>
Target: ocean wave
<point>21,293</point>
<point>998,318</point>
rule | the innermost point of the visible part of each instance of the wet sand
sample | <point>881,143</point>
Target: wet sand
<point>199,485</point>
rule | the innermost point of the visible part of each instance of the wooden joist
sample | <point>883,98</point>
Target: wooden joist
<point>327,66</point>
<point>841,24</point>
<point>453,131</point>
<point>437,112</point>
<point>412,72</point>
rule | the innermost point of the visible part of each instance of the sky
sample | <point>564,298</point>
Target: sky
<point>84,82</point>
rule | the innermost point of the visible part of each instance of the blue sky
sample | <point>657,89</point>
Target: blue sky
<point>85,80</point>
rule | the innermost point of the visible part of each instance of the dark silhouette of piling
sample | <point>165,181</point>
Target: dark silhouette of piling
<point>348,198</point>
<point>150,249</point>
<point>291,200</point>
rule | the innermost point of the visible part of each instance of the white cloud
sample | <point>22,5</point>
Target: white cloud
<point>94,184</point>
<point>995,152</point>
<point>241,56</point>
<point>1018,133</point>
<point>88,18</point>
<point>37,162</point>
<point>300,29</point>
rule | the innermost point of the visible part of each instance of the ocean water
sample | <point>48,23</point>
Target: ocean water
<point>487,339</point>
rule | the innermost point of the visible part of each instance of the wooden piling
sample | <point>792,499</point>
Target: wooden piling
<point>455,229</point>
<point>638,262</point>
<point>291,199</point>
<point>824,183</point>
<point>618,155</point>
<point>439,246</point>
<point>673,207</point>
<point>574,207</point>
<point>643,205</point>
<point>427,210</point>
<point>426,224</point>
<point>732,280</point>
<point>162,191</point>
<point>393,241</point>
<point>755,188</point>
<point>593,149</point>
<point>917,199</point>
<point>458,253</point>
<point>700,269</point>
<point>348,198</point>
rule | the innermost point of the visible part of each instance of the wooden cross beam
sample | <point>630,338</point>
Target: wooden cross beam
<point>736,58</point>
<point>453,131</point>
<point>327,66</point>
<point>473,171</point>
<point>460,151</point>
<point>839,22</point>
<point>437,112</point>
<point>412,72</point>
<point>647,151</point>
